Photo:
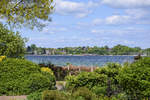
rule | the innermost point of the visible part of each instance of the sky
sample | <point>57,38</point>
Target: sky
<point>94,23</point>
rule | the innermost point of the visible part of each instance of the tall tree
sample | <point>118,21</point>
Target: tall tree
<point>11,43</point>
<point>26,12</point>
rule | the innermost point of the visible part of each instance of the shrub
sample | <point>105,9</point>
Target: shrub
<point>55,95</point>
<point>48,70</point>
<point>22,77</point>
<point>102,81</point>
<point>111,70</point>
<point>86,79</point>
<point>135,79</point>
<point>80,94</point>
<point>99,90</point>
<point>2,58</point>
<point>39,82</point>
<point>84,94</point>
<point>35,96</point>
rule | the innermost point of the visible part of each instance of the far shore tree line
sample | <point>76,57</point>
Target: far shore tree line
<point>86,50</point>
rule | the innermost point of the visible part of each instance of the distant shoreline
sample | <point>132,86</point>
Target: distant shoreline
<point>83,55</point>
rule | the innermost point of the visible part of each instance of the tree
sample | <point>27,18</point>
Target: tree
<point>25,12</point>
<point>33,47</point>
<point>11,43</point>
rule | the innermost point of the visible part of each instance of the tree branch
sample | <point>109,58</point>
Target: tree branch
<point>18,3</point>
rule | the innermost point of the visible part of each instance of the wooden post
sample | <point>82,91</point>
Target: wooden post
<point>91,68</point>
<point>79,69</point>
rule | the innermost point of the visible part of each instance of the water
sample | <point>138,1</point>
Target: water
<point>80,60</point>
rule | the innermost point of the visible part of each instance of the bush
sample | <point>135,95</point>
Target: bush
<point>80,94</point>
<point>99,90</point>
<point>135,79</point>
<point>47,70</point>
<point>35,96</point>
<point>111,70</point>
<point>39,82</point>
<point>2,58</point>
<point>86,79</point>
<point>84,94</point>
<point>102,81</point>
<point>55,95</point>
<point>22,77</point>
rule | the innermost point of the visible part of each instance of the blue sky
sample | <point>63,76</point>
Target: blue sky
<point>95,23</point>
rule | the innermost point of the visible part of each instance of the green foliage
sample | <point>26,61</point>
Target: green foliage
<point>35,96</point>
<point>55,95</point>
<point>102,81</point>
<point>80,94</point>
<point>110,69</point>
<point>124,50</point>
<point>11,43</point>
<point>26,12</point>
<point>86,79</point>
<point>99,90</point>
<point>22,77</point>
<point>84,94</point>
<point>135,79</point>
<point>147,51</point>
<point>40,82</point>
<point>116,50</point>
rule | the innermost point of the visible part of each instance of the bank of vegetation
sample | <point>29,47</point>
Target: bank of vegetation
<point>105,50</point>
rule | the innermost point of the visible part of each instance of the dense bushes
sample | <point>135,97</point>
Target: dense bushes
<point>84,94</point>
<point>86,79</point>
<point>102,81</point>
<point>55,95</point>
<point>130,81</point>
<point>111,70</point>
<point>111,82</point>
<point>35,96</point>
<point>135,79</point>
<point>80,94</point>
<point>21,77</point>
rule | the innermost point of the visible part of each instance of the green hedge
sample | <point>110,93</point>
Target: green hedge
<point>35,96</point>
<point>86,79</point>
<point>55,95</point>
<point>80,94</point>
<point>22,77</point>
<point>102,81</point>
<point>135,79</point>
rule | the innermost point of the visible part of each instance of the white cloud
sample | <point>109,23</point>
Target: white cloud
<point>113,20</point>
<point>97,21</point>
<point>78,9</point>
<point>127,3</point>
<point>53,30</point>
<point>130,16</point>
<point>120,32</point>
<point>118,19</point>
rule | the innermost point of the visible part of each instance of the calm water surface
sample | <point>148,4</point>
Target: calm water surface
<point>80,60</point>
